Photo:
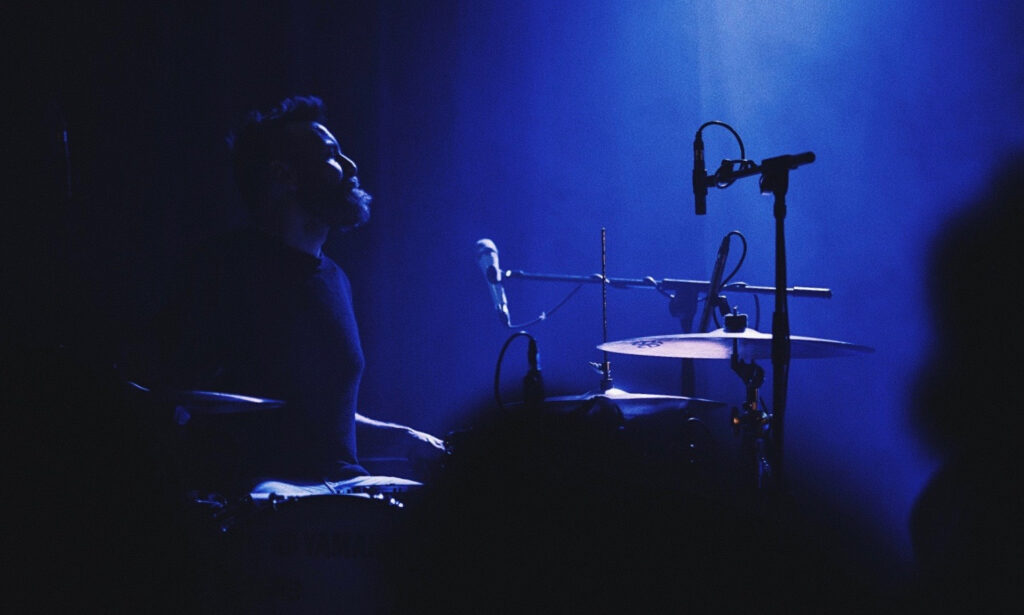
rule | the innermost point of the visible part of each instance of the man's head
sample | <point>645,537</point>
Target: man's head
<point>287,155</point>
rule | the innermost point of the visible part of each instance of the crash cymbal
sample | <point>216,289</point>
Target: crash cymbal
<point>718,344</point>
<point>210,402</point>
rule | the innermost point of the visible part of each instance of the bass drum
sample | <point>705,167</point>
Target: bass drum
<point>310,554</point>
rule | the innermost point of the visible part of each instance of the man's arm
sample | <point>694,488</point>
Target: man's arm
<point>433,441</point>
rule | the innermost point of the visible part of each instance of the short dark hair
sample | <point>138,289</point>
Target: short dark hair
<point>261,139</point>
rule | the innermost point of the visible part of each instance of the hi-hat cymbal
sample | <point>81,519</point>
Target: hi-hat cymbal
<point>214,402</point>
<point>633,404</point>
<point>718,344</point>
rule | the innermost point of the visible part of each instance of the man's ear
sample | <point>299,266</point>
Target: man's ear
<point>282,173</point>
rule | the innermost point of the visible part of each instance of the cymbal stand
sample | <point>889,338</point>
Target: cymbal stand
<point>606,366</point>
<point>753,423</point>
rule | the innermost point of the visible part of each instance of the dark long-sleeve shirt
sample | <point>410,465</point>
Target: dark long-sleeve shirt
<point>256,317</point>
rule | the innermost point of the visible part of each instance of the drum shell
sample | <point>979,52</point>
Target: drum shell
<point>325,553</point>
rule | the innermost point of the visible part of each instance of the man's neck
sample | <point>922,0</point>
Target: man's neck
<point>305,236</point>
<point>298,230</point>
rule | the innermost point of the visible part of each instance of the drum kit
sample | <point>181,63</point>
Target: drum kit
<point>297,540</point>
<point>735,342</point>
<point>295,545</point>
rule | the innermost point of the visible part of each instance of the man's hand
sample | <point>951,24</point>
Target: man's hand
<point>422,449</point>
<point>434,441</point>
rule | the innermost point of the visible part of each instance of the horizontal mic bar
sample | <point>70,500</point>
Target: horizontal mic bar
<point>796,291</point>
<point>667,284</point>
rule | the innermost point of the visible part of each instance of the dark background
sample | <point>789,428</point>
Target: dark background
<point>534,124</point>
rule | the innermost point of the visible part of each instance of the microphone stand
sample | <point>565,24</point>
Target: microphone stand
<point>774,180</point>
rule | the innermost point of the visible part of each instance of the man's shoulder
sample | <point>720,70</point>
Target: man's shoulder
<point>210,259</point>
<point>231,246</point>
<point>329,266</point>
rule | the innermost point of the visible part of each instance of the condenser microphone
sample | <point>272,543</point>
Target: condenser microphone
<point>716,283</point>
<point>487,258</point>
<point>700,176</point>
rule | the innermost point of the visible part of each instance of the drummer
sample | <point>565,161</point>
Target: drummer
<point>263,311</point>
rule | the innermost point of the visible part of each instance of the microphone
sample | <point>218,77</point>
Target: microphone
<point>789,161</point>
<point>487,258</point>
<point>700,176</point>
<point>716,284</point>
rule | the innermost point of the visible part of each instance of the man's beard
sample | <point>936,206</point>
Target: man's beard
<point>342,206</point>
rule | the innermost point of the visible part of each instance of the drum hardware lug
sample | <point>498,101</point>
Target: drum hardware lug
<point>752,375</point>
<point>227,514</point>
<point>750,419</point>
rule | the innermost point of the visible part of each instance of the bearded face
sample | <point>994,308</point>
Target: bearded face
<point>327,182</point>
<point>340,204</point>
